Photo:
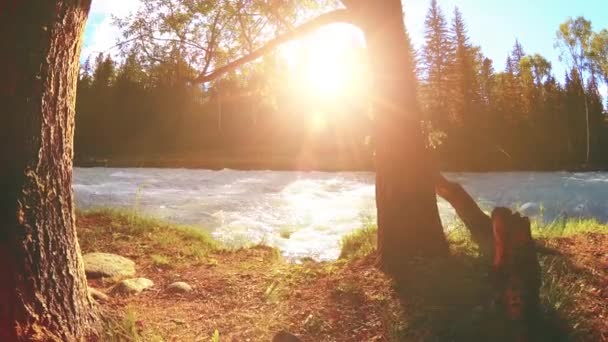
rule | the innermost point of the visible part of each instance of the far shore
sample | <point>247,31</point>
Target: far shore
<point>215,161</point>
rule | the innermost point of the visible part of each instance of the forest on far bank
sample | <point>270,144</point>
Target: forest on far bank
<point>477,118</point>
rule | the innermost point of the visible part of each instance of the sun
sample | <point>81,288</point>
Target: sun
<point>327,64</point>
<point>327,72</point>
<point>326,75</point>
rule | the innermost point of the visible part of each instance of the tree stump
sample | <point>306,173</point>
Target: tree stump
<point>516,274</point>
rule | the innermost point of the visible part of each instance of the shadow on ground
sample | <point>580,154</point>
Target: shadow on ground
<point>452,300</point>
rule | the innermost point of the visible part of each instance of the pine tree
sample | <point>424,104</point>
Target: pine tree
<point>486,106</point>
<point>463,74</point>
<point>596,109</point>
<point>437,56</point>
<point>85,78</point>
<point>102,105</point>
<point>131,71</point>
<point>518,109</point>
<point>412,61</point>
<point>510,90</point>
<point>486,83</point>
<point>575,109</point>
<point>83,108</point>
<point>104,73</point>
<point>517,54</point>
<point>509,65</point>
<point>411,65</point>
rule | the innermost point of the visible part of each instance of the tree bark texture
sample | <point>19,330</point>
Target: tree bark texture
<point>408,218</point>
<point>43,289</point>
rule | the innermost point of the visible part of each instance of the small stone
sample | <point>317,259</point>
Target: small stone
<point>179,287</point>
<point>133,286</point>
<point>99,296</point>
<point>284,336</point>
<point>100,265</point>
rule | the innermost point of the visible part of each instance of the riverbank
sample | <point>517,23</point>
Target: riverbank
<point>216,160</point>
<point>252,293</point>
<point>328,162</point>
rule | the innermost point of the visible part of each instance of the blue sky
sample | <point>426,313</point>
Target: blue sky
<point>492,24</point>
<point>495,24</point>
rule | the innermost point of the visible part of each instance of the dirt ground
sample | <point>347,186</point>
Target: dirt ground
<point>587,256</point>
<point>250,294</point>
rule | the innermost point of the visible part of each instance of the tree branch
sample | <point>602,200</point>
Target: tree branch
<point>336,16</point>
<point>211,44</point>
<point>475,220</point>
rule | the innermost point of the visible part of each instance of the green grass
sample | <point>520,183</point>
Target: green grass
<point>161,261</point>
<point>164,243</point>
<point>567,227</point>
<point>359,243</point>
<point>139,224</point>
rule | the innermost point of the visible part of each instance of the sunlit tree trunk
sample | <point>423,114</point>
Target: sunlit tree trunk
<point>408,218</point>
<point>43,289</point>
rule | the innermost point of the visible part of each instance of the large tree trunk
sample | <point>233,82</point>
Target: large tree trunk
<point>43,289</point>
<point>408,218</point>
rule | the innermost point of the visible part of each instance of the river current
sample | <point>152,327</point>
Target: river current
<point>305,214</point>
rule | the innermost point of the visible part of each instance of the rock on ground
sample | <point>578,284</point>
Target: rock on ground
<point>179,287</point>
<point>132,286</point>
<point>284,336</point>
<point>98,295</point>
<point>99,265</point>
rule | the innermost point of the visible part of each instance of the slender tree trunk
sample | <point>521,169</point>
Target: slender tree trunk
<point>588,155</point>
<point>43,289</point>
<point>408,218</point>
<point>579,69</point>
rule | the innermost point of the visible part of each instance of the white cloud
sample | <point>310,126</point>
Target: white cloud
<point>101,37</point>
<point>100,33</point>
